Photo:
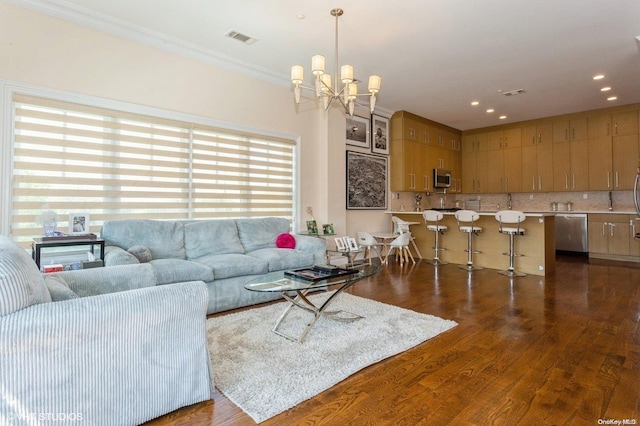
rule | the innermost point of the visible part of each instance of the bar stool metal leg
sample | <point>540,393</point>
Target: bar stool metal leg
<point>470,266</point>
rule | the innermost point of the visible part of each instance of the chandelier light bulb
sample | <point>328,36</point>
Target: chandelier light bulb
<point>346,74</point>
<point>317,64</point>
<point>297,74</point>
<point>326,80</point>
<point>374,83</point>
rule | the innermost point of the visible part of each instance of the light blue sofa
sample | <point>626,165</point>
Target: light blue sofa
<point>118,358</point>
<point>224,253</point>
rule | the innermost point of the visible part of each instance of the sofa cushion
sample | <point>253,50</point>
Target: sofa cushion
<point>281,259</point>
<point>21,284</point>
<point>261,233</point>
<point>286,240</point>
<point>58,288</point>
<point>211,237</point>
<point>141,253</point>
<point>165,240</point>
<point>169,271</point>
<point>233,265</point>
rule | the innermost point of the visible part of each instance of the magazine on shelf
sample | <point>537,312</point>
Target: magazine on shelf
<point>319,273</point>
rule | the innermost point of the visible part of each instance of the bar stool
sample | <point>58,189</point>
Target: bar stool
<point>368,242</point>
<point>435,216</point>
<point>402,226</point>
<point>511,217</point>
<point>468,216</point>
<point>401,243</point>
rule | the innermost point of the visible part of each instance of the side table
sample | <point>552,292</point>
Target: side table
<point>38,246</point>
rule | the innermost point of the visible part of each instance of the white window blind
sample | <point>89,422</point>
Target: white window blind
<point>118,165</point>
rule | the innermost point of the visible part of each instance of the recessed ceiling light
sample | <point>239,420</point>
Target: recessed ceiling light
<point>502,117</point>
<point>598,77</point>
<point>612,98</point>
<point>490,110</point>
<point>300,16</point>
<point>605,89</point>
<point>475,103</point>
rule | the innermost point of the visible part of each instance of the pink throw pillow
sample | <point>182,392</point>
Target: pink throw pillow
<point>286,241</point>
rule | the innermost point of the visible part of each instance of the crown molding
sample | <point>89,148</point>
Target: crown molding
<point>88,18</point>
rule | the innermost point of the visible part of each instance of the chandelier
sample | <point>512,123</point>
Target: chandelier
<point>347,94</point>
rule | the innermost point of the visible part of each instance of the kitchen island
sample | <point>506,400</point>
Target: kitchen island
<point>537,246</point>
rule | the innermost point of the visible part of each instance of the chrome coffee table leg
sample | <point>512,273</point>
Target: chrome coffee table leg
<point>301,301</point>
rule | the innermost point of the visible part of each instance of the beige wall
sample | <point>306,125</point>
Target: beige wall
<point>50,53</point>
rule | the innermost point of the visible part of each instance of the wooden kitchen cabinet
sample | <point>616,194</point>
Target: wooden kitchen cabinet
<point>569,130</point>
<point>571,166</point>
<point>609,235</point>
<point>625,152</point>
<point>634,243</point>
<point>419,145</point>
<point>625,123</point>
<point>537,158</point>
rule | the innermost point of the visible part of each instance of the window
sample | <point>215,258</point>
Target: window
<point>118,165</point>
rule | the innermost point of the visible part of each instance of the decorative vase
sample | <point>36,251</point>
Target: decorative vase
<point>49,227</point>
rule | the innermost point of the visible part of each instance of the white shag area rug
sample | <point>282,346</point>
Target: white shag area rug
<point>266,374</point>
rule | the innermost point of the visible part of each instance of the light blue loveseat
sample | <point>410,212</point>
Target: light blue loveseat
<point>224,253</point>
<point>120,358</point>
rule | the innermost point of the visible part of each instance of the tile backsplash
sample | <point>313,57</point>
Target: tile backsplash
<point>539,201</point>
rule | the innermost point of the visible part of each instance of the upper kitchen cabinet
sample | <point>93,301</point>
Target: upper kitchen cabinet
<point>504,138</point>
<point>570,130</point>
<point>419,145</point>
<point>537,158</point>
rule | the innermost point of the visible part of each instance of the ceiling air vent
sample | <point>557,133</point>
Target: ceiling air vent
<point>514,92</point>
<point>241,37</point>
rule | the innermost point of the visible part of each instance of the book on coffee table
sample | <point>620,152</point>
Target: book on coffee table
<point>318,273</point>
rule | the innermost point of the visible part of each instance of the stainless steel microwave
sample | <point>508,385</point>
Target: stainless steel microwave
<point>441,178</point>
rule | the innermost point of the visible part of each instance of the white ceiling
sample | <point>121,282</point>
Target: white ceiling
<point>434,56</point>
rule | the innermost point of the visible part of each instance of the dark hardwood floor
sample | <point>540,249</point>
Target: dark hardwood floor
<point>564,349</point>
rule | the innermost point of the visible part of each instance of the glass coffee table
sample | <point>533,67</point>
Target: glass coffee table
<point>295,290</point>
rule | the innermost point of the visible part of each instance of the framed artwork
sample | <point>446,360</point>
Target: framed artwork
<point>352,243</point>
<point>357,132</point>
<point>380,135</point>
<point>327,229</point>
<point>366,181</point>
<point>340,245</point>
<point>312,227</point>
<point>78,223</point>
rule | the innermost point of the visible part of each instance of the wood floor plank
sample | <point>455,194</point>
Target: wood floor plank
<point>561,349</point>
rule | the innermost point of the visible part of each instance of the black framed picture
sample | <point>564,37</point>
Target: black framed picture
<point>380,134</point>
<point>357,131</point>
<point>366,181</point>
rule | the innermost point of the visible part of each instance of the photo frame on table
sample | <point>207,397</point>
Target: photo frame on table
<point>380,134</point>
<point>366,181</point>
<point>357,131</point>
<point>312,227</point>
<point>340,245</point>
<point>78,223</point>
<point>352,243</point>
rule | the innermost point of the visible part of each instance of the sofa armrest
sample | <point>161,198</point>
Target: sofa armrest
<point>94,281</point>
<point>314,245</point>
<point>114,255</point>
<point>121,358</point>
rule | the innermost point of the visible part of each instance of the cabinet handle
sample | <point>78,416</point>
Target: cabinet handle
<point>608,125</point>
<point>539,137</point>
<point>566,181</point>
<point>616,180</point>
<point>611,228</point>
<point>608,179</point>
<point>573,181</point>
<point>603,225</point>
<point>616,128</point>
<point>539,183</point>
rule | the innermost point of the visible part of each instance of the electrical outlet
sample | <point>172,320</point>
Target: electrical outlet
<point>585,196</point>
<point>530,197</point>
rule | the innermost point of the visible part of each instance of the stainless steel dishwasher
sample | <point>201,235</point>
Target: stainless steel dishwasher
<point>571,232</point>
